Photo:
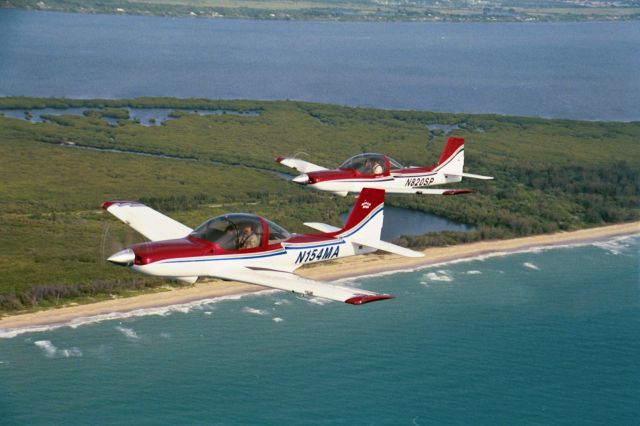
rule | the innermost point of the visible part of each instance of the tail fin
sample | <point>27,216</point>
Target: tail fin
<point>366,217</point>
<point>452,158</point>
<point>367,214</point>
<point>364,224</point>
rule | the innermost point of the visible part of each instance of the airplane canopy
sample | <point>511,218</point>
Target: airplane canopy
<point>370,163</point>
<point>240,231</point>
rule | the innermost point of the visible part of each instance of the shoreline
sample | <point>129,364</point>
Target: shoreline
<point>346,268</point>
<point>465,15</point>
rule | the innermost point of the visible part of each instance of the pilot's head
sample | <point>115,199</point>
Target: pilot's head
<point>247,229</point>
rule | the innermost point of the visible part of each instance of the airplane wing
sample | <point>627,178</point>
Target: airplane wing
<point>427,191</point>
<point>300,165</point>
<point>296,284</point>
<point>150,223</point>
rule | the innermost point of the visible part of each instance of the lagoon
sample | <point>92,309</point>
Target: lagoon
<point>400,221</point>
<point>144,116</point>
<point>561,70</point>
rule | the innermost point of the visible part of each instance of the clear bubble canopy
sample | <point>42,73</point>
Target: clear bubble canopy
<point>238,231</point>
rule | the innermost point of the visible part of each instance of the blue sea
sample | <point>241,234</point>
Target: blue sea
<point>560,70</point>
<point>545,336</point>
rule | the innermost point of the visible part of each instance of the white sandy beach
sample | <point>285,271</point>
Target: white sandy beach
<point>342,268</point>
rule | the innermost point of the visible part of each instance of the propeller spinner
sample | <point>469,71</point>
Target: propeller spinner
<point>124,257</point>
<point>302,179</point>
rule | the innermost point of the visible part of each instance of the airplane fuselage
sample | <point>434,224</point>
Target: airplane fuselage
<point>193,257</point>
<point>286,257</point>
<point>349,181</point>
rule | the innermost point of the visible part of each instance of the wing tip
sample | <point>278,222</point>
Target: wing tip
<point>368,298</point>
<point>108,204</point>
<point>280,159</point>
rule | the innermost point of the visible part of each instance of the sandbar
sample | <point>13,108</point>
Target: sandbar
<point>349,267</point>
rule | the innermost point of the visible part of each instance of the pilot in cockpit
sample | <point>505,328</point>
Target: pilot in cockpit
<point>372,167</point>
<point>376,168</point>
<point>248,238</point>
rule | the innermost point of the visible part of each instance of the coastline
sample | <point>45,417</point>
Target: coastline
<point>349,267</point>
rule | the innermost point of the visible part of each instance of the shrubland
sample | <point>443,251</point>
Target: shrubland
<point>551,175</point>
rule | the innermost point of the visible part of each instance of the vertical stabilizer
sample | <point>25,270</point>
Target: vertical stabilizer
<point>364,225</point>
<point>452,158</point>
<point>367,215</point>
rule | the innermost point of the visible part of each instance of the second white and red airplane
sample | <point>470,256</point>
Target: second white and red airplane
<point>373,170</point>
<point>249,248</point>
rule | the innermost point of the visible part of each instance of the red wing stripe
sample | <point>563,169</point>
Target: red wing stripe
<point>108,204</point>
<point>361,300</point>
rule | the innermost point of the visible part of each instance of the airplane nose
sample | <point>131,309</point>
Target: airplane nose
<point>302,179</point>
<point>124,257</point>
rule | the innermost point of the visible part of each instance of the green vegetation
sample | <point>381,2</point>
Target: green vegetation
<point>354,10</point>
<point>550,175</point>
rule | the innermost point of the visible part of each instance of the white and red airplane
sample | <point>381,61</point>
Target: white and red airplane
<point>251,249</point>
<point>380,171</point>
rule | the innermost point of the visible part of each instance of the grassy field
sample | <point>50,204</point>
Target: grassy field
<point>550,175</point>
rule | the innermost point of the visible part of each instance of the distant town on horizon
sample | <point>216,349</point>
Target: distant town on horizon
<point>354,10</point>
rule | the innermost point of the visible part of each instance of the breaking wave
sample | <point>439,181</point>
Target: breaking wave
<point>441,275</point>
<point>616,246</point>
<point>316,300</point>
<point>51,351</point>
<point>129,332</point>
<point>531,266</point>
<point>621,241</point>
<point>159,311</point>
<point>254,311</point>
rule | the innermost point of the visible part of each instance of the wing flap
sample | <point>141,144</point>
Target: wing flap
<point>300,165</point>
<point>147,221</point>
<point>296,284</point>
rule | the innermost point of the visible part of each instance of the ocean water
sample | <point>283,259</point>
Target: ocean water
<point>539,337</point>
<point>560,70</point>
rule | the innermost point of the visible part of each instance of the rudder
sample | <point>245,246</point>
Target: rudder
<point>452,158</point>
<point>366,215</point>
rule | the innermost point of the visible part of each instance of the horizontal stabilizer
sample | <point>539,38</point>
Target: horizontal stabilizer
<point>147,221</point>
<point>474,176</point>
<point>428,191</point>
<point>300,165</point>
<point>322,227</point>
<point>391,248</point>
<point>296,284</point>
